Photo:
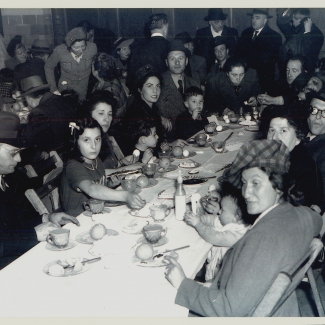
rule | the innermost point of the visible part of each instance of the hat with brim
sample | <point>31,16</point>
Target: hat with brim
<point>257,11</point>
<point>177,45</point>
<point>184,37</point>
<point>258,153</point>
<point>122,42</point>
<point>219,40</point>
<point>316,95</point>
<point>10,129</point>
<point>40,46</point>
<point>215,14</point>
<point>32,84</point>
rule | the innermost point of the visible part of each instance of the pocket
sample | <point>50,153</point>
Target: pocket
<point>66,65</point>
<point>88,63</point>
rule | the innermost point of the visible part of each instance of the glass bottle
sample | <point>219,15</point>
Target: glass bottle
<point>180,199</point>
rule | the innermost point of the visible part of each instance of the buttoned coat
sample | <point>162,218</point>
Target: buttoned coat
<point>261,54</point>
<point>204,43</point>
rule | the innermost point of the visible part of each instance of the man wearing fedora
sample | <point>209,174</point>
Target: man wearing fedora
<point>204,37</point>
<point>174,84</point>
<point>39,53</point>
<point>48,121</point>
<point>17,216</point>
<point>197,67</point>
<point>259,45</point>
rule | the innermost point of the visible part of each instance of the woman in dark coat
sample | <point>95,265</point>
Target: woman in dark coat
<point>231,88</point>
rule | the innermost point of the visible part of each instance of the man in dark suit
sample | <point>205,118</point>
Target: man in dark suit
<point>150,51</point>
<point>259,45</point>
<point>197,67</point>
<point>204,37</point>
<point>171,103</point>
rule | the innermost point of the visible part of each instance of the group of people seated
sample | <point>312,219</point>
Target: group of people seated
<point>153,94</point>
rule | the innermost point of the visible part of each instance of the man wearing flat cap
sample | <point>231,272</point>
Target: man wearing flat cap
<point>174,84</point>
<point>259,45</point>
<point>17,216</point>
<point>40,52</point>
<point>204,37</point>
<point>196,67</point>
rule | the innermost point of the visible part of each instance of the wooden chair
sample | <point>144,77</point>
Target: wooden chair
<point>46,198</point>
<point>285,284</point>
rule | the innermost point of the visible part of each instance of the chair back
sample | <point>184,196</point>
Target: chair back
<point>284,284</point>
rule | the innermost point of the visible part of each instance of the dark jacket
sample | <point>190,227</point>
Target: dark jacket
<point>11,63</point>
<point>104,39</point>
<point>48,123</point>
<point>308,45</point>
<point>32,67</point>
<point>204,43</point>
<point>261,54</point>
<point>198,68</point>
<point>219,93</point>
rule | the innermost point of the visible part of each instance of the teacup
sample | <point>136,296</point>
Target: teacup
<point>149,169</point>
<point>153,233</point>
<point>159,212</point>
<point>218,146</point>
<point>59,237</point>
<point>201,139</point>
<point>210,128</point>
<point>95,206</point>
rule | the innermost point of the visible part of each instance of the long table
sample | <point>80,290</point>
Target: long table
<point>114,286</point>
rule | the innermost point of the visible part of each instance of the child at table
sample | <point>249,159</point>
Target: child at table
<point>84,176</point>
<point>222,230</point>
<point>191,121</point>
<point>144,138</point>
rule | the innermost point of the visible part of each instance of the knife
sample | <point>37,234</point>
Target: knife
<point>170,250</point>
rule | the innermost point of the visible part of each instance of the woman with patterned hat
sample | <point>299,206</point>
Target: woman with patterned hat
<point>279,237</point>
<point>75,57</point>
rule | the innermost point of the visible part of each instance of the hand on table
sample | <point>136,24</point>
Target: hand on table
<point>129,160</point>
<point>113,181</point>
<point>191,219</point>
<point>147,155</point>
<point>174,272</point>
<point>252,101</point>
<point>61,218</point>
<point>134,201</point>
<point>179,143</point>
<point>167,124</point>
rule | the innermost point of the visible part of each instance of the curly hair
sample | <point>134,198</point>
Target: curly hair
<point>105,65</point>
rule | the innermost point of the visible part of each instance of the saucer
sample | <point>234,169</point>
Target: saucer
<point>85,238</point>
<point>154,262</point>
<point>186,165</point>
<point>70,245</point>
<point>135,227</point>
<point>207,145</point>
<point>161,241</point>
<point>191,154</point>
<point>169,169</point>
<point>67,272</point>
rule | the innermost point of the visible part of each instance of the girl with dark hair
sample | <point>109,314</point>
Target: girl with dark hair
<point>19,55</point>
<point>84,175</point>
<point>75,58</point>
<point>104,70</point>
<point>277,240</point>
<point>235,87</point>
<point>289,125</point>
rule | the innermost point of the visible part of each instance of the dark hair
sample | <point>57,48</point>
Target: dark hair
<point>86,25</point>
<point>157,21</point>
<point>99,96</point>
<point>139,128</point>
<point>143,79</point>
<point>81,126</point>
<point>233,62</point>
<point>192,91</point>
<point>105,65</point>
<point>302,11</point>
<point>72,98</point>
<point>302,59</point>
<point>12,45</point>
<point>75,41</point>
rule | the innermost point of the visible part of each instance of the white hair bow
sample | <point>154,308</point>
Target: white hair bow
<point>73,125</point>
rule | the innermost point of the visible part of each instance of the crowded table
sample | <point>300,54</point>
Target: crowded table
<point>118,285</point>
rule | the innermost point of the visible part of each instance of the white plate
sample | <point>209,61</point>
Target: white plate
<point>156,262</point>
<point>135,227</point>
<point>196,164</point>
<point>85,238</point>
<point>70,245</point>
<point>68,272</point>
<point>161,241</point>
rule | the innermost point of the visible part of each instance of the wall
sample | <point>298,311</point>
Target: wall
<point>29,23</point>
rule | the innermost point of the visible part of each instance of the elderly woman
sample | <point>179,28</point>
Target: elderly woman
<point>75,58</point>
<point>19,55</point>
<point>277,240</point>
<point>289,125</point>
<point>104,70</point>
<point>315,84</point>
<point>235,87</point>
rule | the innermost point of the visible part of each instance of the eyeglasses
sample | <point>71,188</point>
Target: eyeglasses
<point>314,111</point>
<point>12,152</point>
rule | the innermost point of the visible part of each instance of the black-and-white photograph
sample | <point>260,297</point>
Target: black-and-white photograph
<point>162,163</point>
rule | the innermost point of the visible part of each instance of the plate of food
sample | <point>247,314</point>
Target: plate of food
<point>63,268</point>
<point>195,181</point>
<point>161,241</point>
<point>189,164</point>
<point>86,238</point>
<point>155,261</point>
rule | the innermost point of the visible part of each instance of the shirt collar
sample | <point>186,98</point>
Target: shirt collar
<point>77,58</point>
<point>157,34</point>
<point>263,214</point>
<point>311,136</point>
<point>258,30</point>
<point>3,183</point>
<point>214,33</point>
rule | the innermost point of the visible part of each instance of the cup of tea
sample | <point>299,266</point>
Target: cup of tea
<point>218,146</point>
<point>93,205</point>
<point>210,128</point>
<point>201,139</point>
<point>59,237</point>
<point>149,169</point>
<point>153,233</point>
<point>159,212</point>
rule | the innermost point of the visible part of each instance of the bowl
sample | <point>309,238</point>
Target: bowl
<point>218,146</point>
<point>234,119</point>
<point>210,128</point>
<point>201,139</point>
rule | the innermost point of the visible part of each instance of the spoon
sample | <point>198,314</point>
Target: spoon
<point>228,137</point>
<point>92,260</point>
